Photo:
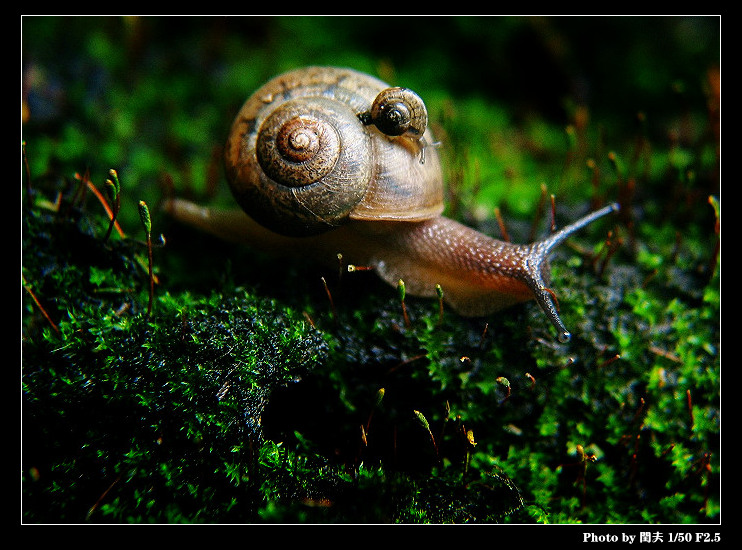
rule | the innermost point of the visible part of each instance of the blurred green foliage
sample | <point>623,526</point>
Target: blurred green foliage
<point>243,397</point>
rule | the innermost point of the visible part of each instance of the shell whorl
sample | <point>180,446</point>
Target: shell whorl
<point>301,141</point>
<point>308,160</point>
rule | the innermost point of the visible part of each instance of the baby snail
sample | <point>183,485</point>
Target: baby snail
<point>326,161</point>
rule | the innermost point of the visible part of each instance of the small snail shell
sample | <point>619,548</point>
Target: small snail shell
<point>326,161</point>
<point>397,112</point>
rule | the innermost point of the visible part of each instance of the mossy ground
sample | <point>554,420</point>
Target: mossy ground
<point>245,395</point>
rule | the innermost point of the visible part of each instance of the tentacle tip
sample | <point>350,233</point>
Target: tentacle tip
<point>546,299</point>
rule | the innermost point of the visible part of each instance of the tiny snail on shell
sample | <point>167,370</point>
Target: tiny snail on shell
<point>399,112</point>
<point>325,161</point>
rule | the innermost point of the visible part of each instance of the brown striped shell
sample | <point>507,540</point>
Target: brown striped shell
<point>306,153</point>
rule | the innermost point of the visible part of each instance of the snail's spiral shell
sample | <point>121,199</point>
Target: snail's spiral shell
<point>301,159</point>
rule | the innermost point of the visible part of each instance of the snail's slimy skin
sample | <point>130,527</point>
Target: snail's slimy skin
<point>480,275</point>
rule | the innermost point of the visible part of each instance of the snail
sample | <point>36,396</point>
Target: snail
<point>326,161</point>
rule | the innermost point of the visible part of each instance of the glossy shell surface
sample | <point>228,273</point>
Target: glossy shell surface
<point>370,176</point>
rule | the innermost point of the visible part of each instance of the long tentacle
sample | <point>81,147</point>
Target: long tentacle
<point>555,239</point>
<point>538,255</point>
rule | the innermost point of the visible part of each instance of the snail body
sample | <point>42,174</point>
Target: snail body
<point>326,161</point>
